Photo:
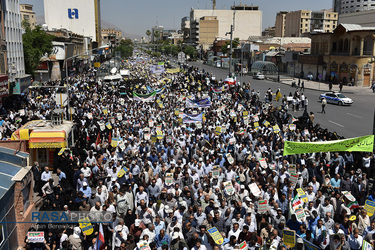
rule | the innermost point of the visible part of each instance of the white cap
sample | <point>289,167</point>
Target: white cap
<point>84,184</point>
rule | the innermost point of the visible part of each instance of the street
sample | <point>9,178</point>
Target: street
<point>348,121</point>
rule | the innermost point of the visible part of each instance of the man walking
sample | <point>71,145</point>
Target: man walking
<point>324,103</point>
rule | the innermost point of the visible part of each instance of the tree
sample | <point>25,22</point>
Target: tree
<point>36,44</point>
<point>126,48</point>
<point>235,43</point>
<point>157,35</point>
<point>190,51</point>
<point>148,34</point>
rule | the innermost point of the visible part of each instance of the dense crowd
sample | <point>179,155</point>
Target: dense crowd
<point>195,176</point>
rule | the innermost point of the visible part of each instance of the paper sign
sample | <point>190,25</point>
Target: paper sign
<point>199,125</point>
<point>216,172</point>
<point>276,129</point>
<point>243,246</point>
<point>263,163</point>
<point>216,235</point>
<point>349,195</point>
<point>86,226</point>
<point>35,237</point>
<point>121,145</point>
<point>159,134</point>
<point>300,214</point>
<point>61,151</point>
<point>143,246</point>
<point>262,206</point>
<point>289,238</point>
<point>122,101</point>
<point>169,179</point>
<point>218,130</point>
<point>366,245</point>
<point>108,125</point>
<point>292,127</point>
<point>369,207</point>
<point>89,115</point>
<point>21,112</point>
<point>105,111</point>
<point>302,195</point>
<point>102,126</point>
<point>293,178</point>
<point>115,142</point>
<point>228,187</point>
<point>266,123</point>
<point>161,105</point>
<point>176,112</point>
<point>255,118</point>
<point>245,113</point>
<point>239,108</point>
<point>292,169</point>
<point>119,116</point>
<point>232,141</point>
<point>147,136</point>
<point>254,189</point>
<point>232,113</point>
<point>256,125</point>
<point>123,171</point>
<point>230,158</point>
<point>150,123</point>
<point>154,138</point>
<point>158,128</point>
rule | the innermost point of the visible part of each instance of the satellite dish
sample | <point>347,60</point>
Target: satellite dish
<point>113,71</point>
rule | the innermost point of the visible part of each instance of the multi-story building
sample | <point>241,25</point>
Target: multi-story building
<point>248,21</point>
<point>351,6</point>
<point>3,47</point>
<point>185,28</point>
<point>205,31</point>
<point>302,22</point>
<point>28,14</point>
<point>269,32</point>
<point>343,55</point>
<point>363,18</point>
<point>111,36</point>
<point>280,23</point>
<point>81,17</point>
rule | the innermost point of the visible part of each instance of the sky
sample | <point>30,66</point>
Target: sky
<point>137,16</point>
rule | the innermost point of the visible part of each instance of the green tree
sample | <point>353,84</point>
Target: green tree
<point>190,51</point>
<point>235,43</point>
<point>157,35</point>
<point>148,34</point>
<point>36,44</point>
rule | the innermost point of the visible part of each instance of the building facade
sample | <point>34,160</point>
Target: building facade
<point>156,30</point>
<point>205,31</point>
<point>351,6</point>
<point>28,14</point>
<point>364,18</point>
<point>343,55</point>
<point>303,22</point>
<point>248,21</point>
<point>185,28</point>
<point>81,17</point>
<point>111,36</point>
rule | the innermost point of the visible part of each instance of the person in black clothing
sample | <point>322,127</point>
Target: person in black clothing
<point>37,178</point>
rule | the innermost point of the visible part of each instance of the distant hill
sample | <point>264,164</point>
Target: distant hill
<point>105,25</point>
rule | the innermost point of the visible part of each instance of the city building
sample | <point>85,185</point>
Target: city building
<point>351,6</point>
<point>111,36</point>
<point>363,18</point>
<point>155,30</point>
<point>248,22</point>
<point>342,56</point>
<point>303,22</point>
<point>80,17</point>
<point>14,48</point>
<point>28,14</point>
<point>3,57</point>
<point>205,31</point>
<point>269,32</point>
<point>185,28</point>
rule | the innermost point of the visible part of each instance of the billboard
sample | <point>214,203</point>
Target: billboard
<point>77,16</point>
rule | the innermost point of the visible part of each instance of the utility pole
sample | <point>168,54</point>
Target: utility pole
<point>231,43</point>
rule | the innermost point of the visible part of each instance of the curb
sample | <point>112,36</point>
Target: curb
<point>320,90</point>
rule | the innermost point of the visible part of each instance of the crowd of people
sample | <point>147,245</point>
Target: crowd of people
<point>168,181</point>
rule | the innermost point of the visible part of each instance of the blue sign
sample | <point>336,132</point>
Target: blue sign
<point>73,13</point>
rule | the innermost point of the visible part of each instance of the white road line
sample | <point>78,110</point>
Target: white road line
<point>354,115</point>
<point>336,123</point>
<point>4,188</point>
<point>7,175</point>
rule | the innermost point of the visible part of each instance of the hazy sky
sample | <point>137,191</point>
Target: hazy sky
<point>136,16</point>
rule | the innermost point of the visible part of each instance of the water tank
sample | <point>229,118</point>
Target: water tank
<point>45,27</point>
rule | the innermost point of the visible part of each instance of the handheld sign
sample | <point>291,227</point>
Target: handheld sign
<point>123,171</point>
<point>230,158</point>
<point>218,130</point>
<point>262,206</point>
<point>216,236</point>
<point>263,163</point>
<point>228,187</point>
<point>169,179</point>
<point>159,134</point>
<point>369,207</point>
<point>243,246</point>
<point>216,171</point>
<point>302,195</point>
<point>86,226</point>
<point>254,189</point>
<point>289,238</point>
<point>35,237</point>
<point>108,125</point>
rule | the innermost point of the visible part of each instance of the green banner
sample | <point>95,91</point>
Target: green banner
<point>363,144</point>
<point>160,63</point>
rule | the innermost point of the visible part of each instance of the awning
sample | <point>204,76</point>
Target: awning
<point>45,139</point>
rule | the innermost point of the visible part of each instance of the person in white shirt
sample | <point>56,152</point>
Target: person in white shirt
<point>235,231</point>
<point>86,171</point>
<point>150,231</point>
<point>46,175</point>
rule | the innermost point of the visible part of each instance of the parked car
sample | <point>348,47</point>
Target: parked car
<point>259,76</point>
<point>336,98</point>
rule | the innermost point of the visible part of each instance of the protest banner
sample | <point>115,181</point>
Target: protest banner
<point>276,129</point>
<point>263,163</point>
<point>169,179</point>
<point>123,171</point>
<point>232,141</point>
<point>254,189</point>
<point>300,214</point>
<point>243,246</point>
<point>230,158</point>
<point>369,207</point>
<point>266,123</point>
<point>348,195</point>
<point>102,126</point>
<point>256,125</point>
<point>115,142</point>
<point>218,130</point>
<point>362,144</point>
<point>150,123</point>
<point>309,245</point>
<point>366,245</point>
<point>292,127</point>
<point>302,195</point>
<point>147,136</point>
<point>245,113</point>
<point>216,235</point>
<point>293,179</point>
<point>119,116</point>
<point>289,238</point>
<point>228,187</point>
<point>216,171</point>
<point>159,134</point>
<point>154,138</point>
<point>35,237</point>
<point>105,111</point>
<point>108,125</point>
<point>86,226</point>
<point>262,206</point>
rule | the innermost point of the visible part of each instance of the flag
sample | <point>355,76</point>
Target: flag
<point>353,205</point>
<point>144,98</point>
<point>241,132</point>
<point>202,103</point>
<point>98,140</point>
<point>278,96</point>
<point>192,118</point>
<point>100,244</point>
<point>296,202</point>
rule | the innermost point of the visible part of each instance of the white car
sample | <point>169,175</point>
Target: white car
<point>336,98</point>
<point>259,76</point>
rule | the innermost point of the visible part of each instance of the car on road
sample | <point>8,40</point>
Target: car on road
<point>336,98</point>
<point>258,76</point>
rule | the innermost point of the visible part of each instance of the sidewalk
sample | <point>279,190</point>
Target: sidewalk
<point>323,87</point>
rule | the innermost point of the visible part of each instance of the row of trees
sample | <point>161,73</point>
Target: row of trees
<point>126,48</point>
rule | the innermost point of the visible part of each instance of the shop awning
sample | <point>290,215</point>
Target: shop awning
<point>44,139</point>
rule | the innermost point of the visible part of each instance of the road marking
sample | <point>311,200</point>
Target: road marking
<point>355,115</point>
<point>336,123</point>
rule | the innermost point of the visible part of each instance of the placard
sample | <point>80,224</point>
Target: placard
<point>119,116</point>
<point>147,136</point>
<point>232,141</point>
<point>218,130</point>
<point>123,171</point>
<point>89,115</point>
<point>256,125</point>
<point>102,126</point>
<point>292,127</point>
<point>349,196</point>
<point>245,113</point>
<point>266,123</point>
<point>150,123</point>
<point>369,207</point>
<point>300,214</point>
<point>216,171</point>
<point>243,246</point>
<point>86,226</point>
<point>108,125</point>
<point>159,134</point>
<point>289,238</point>
<point>143,245</point>
<point>254,189</point>
<point>169,179</point>
<point>154,138</point>
<point>216,235</point>
<point>366,245</point>
<point>276,129</point>
<point>293,179</point>
<point>105,111</point>
<point>35,237</point>
<point>228,187</point>
<point>302,195</point>
<point>263,163</point>
<point>230,158</point>
<point>262,206</point>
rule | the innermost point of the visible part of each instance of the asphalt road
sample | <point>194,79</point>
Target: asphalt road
<point>348,121</point>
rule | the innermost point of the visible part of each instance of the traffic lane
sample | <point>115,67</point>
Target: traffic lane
<point>348,121</point>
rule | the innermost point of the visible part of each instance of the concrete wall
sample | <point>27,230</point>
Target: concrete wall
<point>365,18</point>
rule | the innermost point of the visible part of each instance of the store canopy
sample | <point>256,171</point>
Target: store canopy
<point>44,139</point>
